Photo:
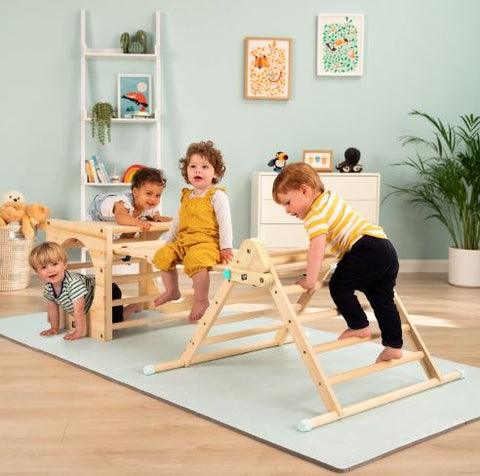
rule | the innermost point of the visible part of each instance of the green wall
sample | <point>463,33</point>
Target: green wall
<point>419,54</point>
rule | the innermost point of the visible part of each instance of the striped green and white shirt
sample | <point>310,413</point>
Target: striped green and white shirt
<point>332,216</point>
<point>74,286</point>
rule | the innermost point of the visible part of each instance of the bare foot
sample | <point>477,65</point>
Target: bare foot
<point>167,296</point>
<point>74,336</point>
<point>365,332</point>
<point>50,332</point>
<point>198,310</point>
<point>389,353</point>
<point>131,309</point>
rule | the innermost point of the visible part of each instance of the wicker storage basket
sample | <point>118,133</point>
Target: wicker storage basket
<point>14,251</point>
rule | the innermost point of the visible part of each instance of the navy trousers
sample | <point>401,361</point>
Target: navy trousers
<point>117,311</point>
<point>371,266</point>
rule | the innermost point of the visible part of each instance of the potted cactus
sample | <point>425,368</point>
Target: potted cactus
<point>137,44</point>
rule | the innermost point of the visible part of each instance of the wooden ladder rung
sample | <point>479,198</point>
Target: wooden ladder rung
<point>133,278</point>
<point>134,299</point>
<point>243,316</point>
<point>170,317</point>
<point>220,354</point>
<point>380,400</point>
<point>291,269</point>
<point>313,316</point>
<point>377,367</point>
<point>339,344</point>
<point>239,334</point>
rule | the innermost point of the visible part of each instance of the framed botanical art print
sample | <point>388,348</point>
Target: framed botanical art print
<point>267,68</point>
<point>340,44</point>
<point>320,160</point>
<point>134,95</point>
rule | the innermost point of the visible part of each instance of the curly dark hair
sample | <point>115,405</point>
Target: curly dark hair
<point>148,174</point>
<point>205,149</point>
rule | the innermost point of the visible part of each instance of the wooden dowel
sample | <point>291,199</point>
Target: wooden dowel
<point>339,344</point>
<point>134,299</point>
<point>294,289</point>
<point>79,265</point>
<point>291,269</point>
<point>243,316</point>
<point>383,399</point>
<point>247,297</point>
<point>313,316</point>
<point>164,318</point>
<point>377,367</point>
<point>220,354</point>
<point>239,334</point>
<point>133,278</point>
<point>170,365</point>
<point>135,244</point>
<point>287,252</point>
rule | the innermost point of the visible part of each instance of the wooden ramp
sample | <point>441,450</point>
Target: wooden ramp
<point>252,266</point>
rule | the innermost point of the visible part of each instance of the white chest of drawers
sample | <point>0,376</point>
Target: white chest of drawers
<point>276,229</point>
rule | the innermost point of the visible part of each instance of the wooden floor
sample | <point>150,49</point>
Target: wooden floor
<point>57,419</point>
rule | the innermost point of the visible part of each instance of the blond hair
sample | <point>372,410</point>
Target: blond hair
<point>48,252</point>
<point>293,176</point>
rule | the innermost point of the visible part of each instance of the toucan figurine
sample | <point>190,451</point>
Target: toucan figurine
<point>279,162</point>
<point>352,156</point>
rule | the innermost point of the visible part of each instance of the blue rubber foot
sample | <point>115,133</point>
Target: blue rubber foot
<point>304,426</point>
<point>127,258</point>
<point>149,370</point>
<point>227,274</point>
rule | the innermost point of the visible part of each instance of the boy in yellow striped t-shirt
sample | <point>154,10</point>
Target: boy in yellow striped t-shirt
<point>367,259</point>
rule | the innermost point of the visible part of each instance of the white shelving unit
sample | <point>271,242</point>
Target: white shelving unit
<point>276,229</point>
<point>99,54</point>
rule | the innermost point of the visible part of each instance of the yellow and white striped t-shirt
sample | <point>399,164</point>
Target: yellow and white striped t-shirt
<point>332,216</point>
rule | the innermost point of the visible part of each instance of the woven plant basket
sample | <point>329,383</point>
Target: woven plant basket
<point>14,251</point>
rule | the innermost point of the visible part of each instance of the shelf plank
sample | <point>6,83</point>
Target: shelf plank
<point>116,53</point>
<point>124,120</point>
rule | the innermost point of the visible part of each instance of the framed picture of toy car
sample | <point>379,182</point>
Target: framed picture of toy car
<point>134,96</point>
<point>320,160</point>
<point>267,73</point>
<point>340,44</point>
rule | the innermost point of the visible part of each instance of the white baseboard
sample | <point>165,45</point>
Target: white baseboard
<point>423,266</point>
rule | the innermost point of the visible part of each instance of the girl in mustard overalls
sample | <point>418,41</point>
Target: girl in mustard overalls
<point>201,233</point>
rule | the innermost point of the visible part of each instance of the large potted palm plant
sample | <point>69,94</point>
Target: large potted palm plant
<point>447,168</point>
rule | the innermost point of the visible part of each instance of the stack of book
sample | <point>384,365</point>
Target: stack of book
<point>96,170</point>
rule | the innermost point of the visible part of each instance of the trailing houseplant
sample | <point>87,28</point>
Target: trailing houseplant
<point>447,168</point>
<point>102,113</point>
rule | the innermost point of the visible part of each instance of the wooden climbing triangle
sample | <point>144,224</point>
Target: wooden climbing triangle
<point>253,266</point>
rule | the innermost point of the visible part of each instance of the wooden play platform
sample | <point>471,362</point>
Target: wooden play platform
<point>253,266</point>
<point>106,248</point>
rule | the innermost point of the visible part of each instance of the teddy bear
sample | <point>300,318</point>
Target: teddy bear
<point>12,196</point>
<point>30,216</point>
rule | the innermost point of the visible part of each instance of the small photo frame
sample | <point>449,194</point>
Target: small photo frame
<point>267,73</point>
<point>134,98</point>
<point>320,160</point>
<point>340,44</point>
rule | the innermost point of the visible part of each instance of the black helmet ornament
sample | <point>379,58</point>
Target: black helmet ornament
<point>352,157</point>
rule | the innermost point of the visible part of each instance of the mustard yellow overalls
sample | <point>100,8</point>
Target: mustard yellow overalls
<point>197,244</point>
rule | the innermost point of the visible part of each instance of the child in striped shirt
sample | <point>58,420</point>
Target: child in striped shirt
<point>367,259</point>
<point>73,292</point>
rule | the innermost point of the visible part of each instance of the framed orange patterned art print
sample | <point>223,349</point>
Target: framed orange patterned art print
<point>268,68</point>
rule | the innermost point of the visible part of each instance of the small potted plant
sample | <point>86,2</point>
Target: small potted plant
<point>102,113</point>
<point>448,187</point>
